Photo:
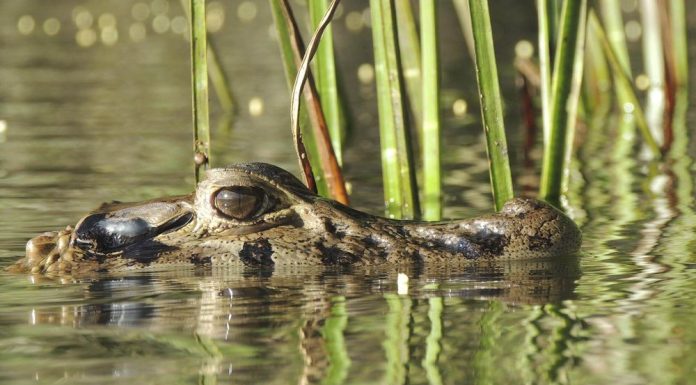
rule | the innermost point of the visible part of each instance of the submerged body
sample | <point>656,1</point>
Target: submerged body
<point>260,215</point>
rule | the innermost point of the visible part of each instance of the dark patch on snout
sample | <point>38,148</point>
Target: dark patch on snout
<point>537,242</point>
<point>482,244</point>
<point>198,260</point>
<point>257,253</point>
<point>146,253</point>
<point>416,257</point>
<point>330,228</point>
<point>370,243</point>
<point>335,256</point>
<point>143,254</point>
<point>468,249</point>
<point>94,256</point>
<point>490,242</point>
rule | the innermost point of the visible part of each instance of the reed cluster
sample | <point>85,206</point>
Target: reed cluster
<point>582,65</point>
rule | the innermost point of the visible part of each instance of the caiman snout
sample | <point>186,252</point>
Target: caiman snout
<point>111,231</point>
<point>112,228</point>
<point>45,250</point>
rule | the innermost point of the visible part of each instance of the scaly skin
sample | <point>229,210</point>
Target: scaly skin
<point>292,227</point>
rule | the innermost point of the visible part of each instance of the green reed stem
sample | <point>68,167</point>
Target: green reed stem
<point>653,60</point>
<point>545,64</point>
<point>491,105</point>
<point>199,76</point>
<point>613,20</point>
<point>596,82</point>
<point>326,80</point>
<point>397,171</point>
<point>217,74</point>
<point>611,15</point>
<point>290,64</point>
<point>461,7</point>
<point>218,77</point>
<point>432,183</point>
<point>679,40</point>
<point>565,91</point>
<point>410,50</point>
<point>554,18</point>
<point>654,66</point>
<point>623,81</point>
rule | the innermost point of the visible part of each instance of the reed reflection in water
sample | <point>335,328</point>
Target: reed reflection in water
<point>620,313</point>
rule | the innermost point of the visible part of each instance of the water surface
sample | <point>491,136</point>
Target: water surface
<point>87,123</point>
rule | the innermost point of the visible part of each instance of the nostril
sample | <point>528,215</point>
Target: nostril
<point>86,244</point>
<point>41,244</point>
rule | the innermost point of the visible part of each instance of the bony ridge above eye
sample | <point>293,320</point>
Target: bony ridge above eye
<point>239,202</point>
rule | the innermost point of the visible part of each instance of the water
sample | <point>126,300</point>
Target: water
<point>91,124</point>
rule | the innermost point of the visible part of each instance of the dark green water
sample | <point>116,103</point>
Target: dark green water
<point>111,120</point>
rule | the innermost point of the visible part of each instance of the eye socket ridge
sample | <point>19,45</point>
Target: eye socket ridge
<point>241,202</point>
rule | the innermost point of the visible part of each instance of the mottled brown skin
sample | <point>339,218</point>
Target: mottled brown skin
<point>293,227</point>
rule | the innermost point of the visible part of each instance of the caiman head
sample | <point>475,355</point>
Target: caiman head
<point>260,215</point>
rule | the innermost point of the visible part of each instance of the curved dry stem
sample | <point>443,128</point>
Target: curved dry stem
<point>333,172</point>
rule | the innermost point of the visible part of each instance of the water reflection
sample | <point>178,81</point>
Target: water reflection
<point>79,126</point>
<point>244,317</point>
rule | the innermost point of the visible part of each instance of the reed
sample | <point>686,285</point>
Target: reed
<point>654,66</point>
<point>305,144</point>
<point>676,64</point>
<point>220,82</point>
<point>652,43</point>
<point>410,50</point>
<point>405,63</point>
<point>491,105</point>
<point>199,76</point>
<point>326,80</point>
<point>309,120</point>
<point>565,90</point>
<point>623,81</point>
<point>677,12</point>
<point>217,75</point>
<point>329,163</point>
<point>554,15</point>
<point>461,8</point>
<point>399,182</point>
<point>613,21</point>
<point>545,64</point>
<point>430,138</point>
<point>596,83</point>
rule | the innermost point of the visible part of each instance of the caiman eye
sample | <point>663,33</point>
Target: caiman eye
<point>240,202</point>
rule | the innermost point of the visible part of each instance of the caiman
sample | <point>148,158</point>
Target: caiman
<point>257,214</point>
